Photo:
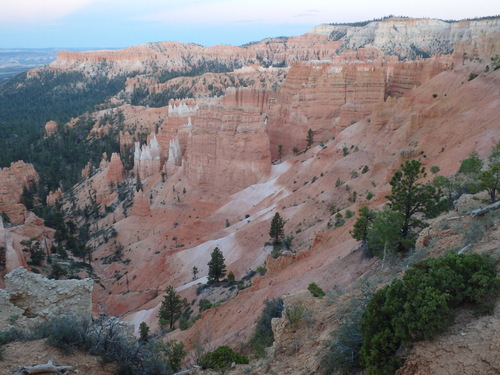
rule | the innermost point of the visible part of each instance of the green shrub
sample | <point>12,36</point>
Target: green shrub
<point>261,270</point>
<point>343,354</point>
<point>472,76</point>
<point>420,306</point>
<point>264,336</point>
<point>9,336</point>
<point>67,333</point>
<point>315,290</point>
<point>294,314</point>
<point>205,304</point>
<point>222,358</point>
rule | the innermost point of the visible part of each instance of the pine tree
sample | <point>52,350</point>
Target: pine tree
<point>216,266</point>
<point>363,224</point>
<point>410,198</point>
<point>310,138</point>
<point>138,183</point>
<point>489,179</point>
<point>170,307</point>
<point>277,232</point>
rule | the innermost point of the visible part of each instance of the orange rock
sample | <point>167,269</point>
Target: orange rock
<point>115,169</point>
<point>12,181</point>
<point>53,197</point>
<point>141,205</point>
<point>50,128</point>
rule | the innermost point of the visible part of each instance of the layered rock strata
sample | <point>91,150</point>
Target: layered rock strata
<point>32,298</point>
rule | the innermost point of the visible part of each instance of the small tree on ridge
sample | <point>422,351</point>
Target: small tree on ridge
<point>216,266</point>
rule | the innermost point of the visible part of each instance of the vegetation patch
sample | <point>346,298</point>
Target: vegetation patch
<point>264,336</point>
<point>222,358</point>
<point>421,305</point>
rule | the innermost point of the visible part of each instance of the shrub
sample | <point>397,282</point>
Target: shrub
<point>343,354</point>
<point>264,336</point>
<point>315,290</point>
<point>66,333</point>
<point>222,358</point>
<point>9,336</point>
<point>261,270</point>
<point>205,304</point>
<point>420,306</point>
<point>472,76</point>
<point>294,314</point>
<point>107,338</point>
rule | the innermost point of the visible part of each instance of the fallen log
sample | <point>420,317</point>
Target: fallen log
<point>48,368</point>
<point>482,211</point>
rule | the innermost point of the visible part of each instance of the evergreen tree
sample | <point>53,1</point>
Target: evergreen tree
<point>490,178</point>
<point>144,332</point>
<point>138,183</point>
<point>37,255</point>
<point>472,165</point>
<point>363,224</point>
<point>411,198</point>
<point>310,138</point>
<point>277,224</point>
<point>170,307</point>
<point>216,266</point>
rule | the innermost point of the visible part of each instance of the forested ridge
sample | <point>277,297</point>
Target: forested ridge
<point>27,102</point>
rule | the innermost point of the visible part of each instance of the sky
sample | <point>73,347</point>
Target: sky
<point>93,24</point>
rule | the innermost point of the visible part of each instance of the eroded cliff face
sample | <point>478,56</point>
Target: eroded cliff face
<point>12,181</point>
<point>227,149</point>
<point>327,97</point>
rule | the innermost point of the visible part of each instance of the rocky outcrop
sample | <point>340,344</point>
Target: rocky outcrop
<point>115,169</point>
<point>147,160</point>
<point>227,150</point>
<point>408,38</point>
<point>141,205</point>
<point>54,196</point>
<point>29,298</point>
<point>87,170</point>
<point>12,181</point>
<point>328,96</point>
<point>50,128</point>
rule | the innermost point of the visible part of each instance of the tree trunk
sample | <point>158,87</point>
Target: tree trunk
<point>48,368</point>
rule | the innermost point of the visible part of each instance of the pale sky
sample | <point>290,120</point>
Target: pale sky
<point>122,23</point>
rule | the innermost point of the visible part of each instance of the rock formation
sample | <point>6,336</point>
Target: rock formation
<point>115,169</point>
<point>54,196</point>
<point>227,150</point>
<point>12,181</point>
<point>141,204</point>
<point>32,298</point>
<point>50,128</point>
<point>147,160</point>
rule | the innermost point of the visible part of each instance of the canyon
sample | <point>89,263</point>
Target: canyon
<point>216,165</point>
